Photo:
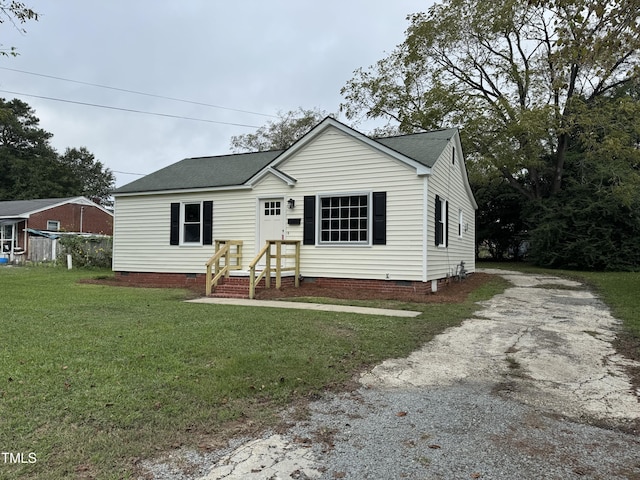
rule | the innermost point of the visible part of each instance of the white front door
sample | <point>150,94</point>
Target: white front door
<point>271,221</point>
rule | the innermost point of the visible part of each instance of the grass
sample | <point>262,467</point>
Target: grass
<point>95,377</point>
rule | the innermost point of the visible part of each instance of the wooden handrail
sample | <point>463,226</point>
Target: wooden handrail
<point>223,251</point>
<point>266,272</point>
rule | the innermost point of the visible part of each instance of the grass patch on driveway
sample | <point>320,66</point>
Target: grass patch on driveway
<point>95,377</point>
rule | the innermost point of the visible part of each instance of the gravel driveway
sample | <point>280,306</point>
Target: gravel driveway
<point>529,388</point>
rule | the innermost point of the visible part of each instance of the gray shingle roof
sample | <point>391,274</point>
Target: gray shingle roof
<point>424,147</point>
<point>203,172</point>
<point>18,208</point>
<point>233,170</point>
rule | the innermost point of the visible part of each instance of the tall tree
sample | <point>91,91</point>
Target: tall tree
<point>31,168</point>
<point>96,181</point>
<point>509,73</point>
<point>16,13</point>
<point>278,134</point>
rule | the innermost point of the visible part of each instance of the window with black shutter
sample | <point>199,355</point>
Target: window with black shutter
<point>191,223</point>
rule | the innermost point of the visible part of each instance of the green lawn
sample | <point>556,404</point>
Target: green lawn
<point>94,377</point>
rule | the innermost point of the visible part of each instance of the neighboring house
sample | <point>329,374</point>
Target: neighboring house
<point>21,218</point>
<point>390,213</point>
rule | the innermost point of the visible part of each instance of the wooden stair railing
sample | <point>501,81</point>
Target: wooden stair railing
<point>223,252</point>
<point>279,268</point>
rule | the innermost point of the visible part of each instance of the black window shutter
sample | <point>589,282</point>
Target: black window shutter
<point>309,222</point>
<point>379,218</point>
<point>446,212</point>
<point>174,236</point>
<point>207,223</point>
<point>438,219</point>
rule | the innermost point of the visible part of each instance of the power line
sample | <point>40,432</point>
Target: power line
<point>129,110</point>
<point>137,92</point>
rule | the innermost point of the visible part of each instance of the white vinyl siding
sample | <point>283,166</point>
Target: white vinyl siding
<point>336,164</point>
<point>447,181</point>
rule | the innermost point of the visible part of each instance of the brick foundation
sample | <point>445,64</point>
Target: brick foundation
<point>233,284</point>
<point>382,286</point>
<point>167,280</point>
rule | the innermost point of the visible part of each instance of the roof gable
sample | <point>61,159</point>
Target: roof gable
<point>420,150</point>
<point>24,208</point>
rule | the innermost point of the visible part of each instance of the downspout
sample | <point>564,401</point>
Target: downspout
<point>81,215</point>
<point>26,239</point>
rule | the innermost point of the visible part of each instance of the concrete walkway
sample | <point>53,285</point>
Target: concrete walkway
<point>306,306</point>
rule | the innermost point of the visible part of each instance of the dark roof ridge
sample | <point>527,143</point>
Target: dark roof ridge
<point>238,154</point>
<point>416,133</point>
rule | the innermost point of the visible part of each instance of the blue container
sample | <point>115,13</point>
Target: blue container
<point>4,260</point>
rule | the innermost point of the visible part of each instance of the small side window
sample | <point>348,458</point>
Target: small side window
<point>53,225</point>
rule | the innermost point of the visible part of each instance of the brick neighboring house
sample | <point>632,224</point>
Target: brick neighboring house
<point>21,218</point>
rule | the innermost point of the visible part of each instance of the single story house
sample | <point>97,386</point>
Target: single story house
<point>21,218</point>
<point>388,213</point>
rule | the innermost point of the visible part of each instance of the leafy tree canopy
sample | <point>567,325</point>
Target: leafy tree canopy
<point>17,14</point>
<point>278,134</point>
<point>512,74</point>
<point>31,168</point>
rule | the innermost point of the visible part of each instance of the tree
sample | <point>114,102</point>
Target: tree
<point>31,168</point>
<point>16,13</point>
<point>509,73</point>
<point>278,134</point>
<point>594,222</point>
<point>96,182</point>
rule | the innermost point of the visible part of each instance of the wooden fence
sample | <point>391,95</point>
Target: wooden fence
<point>42,249</point>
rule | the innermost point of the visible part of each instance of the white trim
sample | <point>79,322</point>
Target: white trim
<point>320,196</point>
<point>425,230</point>
<point>181,242</point>
<point>290,181</point>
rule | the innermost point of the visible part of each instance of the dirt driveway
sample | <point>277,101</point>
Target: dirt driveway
<point>531,387</point>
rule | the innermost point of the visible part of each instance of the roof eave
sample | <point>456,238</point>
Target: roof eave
<point>182,190</point>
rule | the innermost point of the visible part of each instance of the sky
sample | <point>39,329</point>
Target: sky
<point>251,58</point>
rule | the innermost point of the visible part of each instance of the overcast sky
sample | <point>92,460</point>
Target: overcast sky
<point>258,56</point>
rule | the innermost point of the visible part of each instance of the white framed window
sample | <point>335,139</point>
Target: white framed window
<point>460,223</point>
<point>192,223</point>
<point>345,219</point>
<point>53,225</point>
<point>441,222</point>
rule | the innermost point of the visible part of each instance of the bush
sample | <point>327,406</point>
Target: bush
<point>87,251</point>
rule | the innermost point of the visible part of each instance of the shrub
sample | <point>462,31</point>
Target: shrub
<point>87,251</point>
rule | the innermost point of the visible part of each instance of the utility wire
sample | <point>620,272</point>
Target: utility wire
<point>136,92</point>
<point>129,110</point>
